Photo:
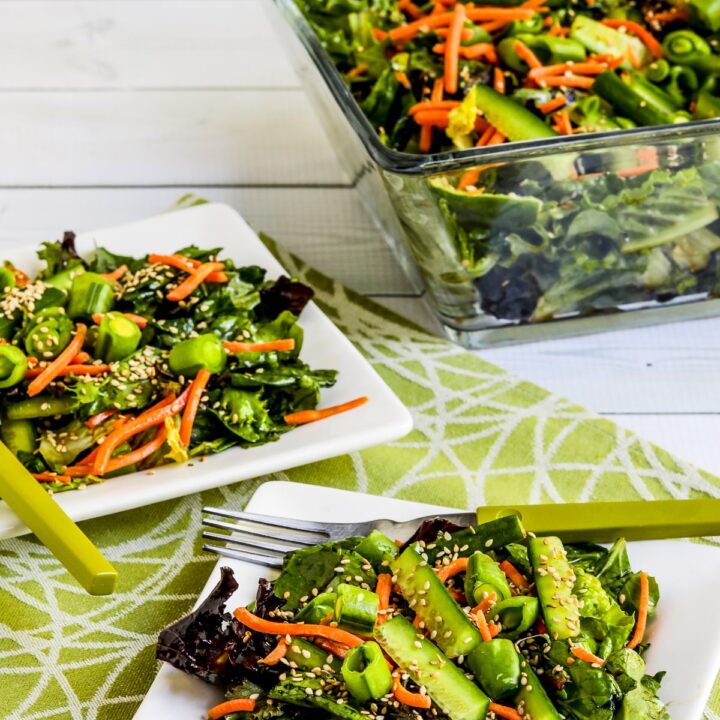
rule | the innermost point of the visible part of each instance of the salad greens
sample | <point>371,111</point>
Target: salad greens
<point>564,235</point>
<point>444,626</point>
<point>113,364</point>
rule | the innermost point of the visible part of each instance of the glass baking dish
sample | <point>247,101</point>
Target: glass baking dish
<point>608,243</point>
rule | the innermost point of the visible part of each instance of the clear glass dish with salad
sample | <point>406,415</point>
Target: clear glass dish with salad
<point>528,161</point>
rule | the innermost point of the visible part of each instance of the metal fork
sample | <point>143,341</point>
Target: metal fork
<point>264,539</point>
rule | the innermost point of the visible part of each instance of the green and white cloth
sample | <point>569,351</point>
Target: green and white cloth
<point>481,435</point>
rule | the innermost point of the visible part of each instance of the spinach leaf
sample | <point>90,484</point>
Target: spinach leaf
<point>629,594</point>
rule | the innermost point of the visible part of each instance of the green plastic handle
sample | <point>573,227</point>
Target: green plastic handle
<point>53,527</point>
<point>605,522</point>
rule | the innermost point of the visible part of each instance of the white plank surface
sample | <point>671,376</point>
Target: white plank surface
<point>111,109</point>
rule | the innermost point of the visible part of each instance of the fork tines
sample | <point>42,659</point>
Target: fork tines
<point>259,539</point>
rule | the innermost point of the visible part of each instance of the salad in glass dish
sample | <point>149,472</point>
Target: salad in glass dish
<point>568,225</point>
<point>465,623</point>
<point>114,364</point>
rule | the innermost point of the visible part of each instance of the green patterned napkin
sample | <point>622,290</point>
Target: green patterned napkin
<point>481,436</point>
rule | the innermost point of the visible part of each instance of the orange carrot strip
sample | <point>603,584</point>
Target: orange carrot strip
<point>466,34</point>
<point>99,419</point>
<point>635,61</point>
<point>494,629</point>
<point>55,368</point>
<point>502,711</point>
<point>70,370</point>
<point>499,80</point>
<point>359,70</point>
<point>453,49</point>
<point>506,14</point>
<point>411,699</point>
<point>552,105</point>
<point>527,54</point>
<point>485,604</point>
<point>379,34</point>
<point>139,320</point>
<point>334,648</point>
<point>115,274</point>
<point>185,263</point>
<point>383,589</point>
<point>90,459</point>
<point>197,388</point>
<point>513,574</point>
<point>636,29</point>
<point>445,572</point>
<point>279,345</point>
<point>639,632</point>
<point>403,79</point>
<point>153,416</point>
<point>277,654</point>
<point>433,118</point>
<point>426,131</point>
<point>485,633</point>
<point>471,52</point>
<point>81,358</point>
<point>52,477</point>
<point>469,179</point>
<point>485,137</point>
<point>582,654</point>
<point>193,281</point>
<point>306,416</point>
<point>269,627</point>
<point>433,105</point>
<point>494,25</point>
<point>21,279</point>
<point>667,16</point>
<point>579,68</point>
<point>563,120</point>
<point>410,8</point>
<point>572,81</point>
<point>231,706</point>
<point>497,139</point>
<point>410,30</point>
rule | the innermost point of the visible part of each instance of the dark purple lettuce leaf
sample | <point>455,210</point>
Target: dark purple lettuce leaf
<point>210,644</point>
<point>430,529</point>
<point>283,294</point>
<point>68,244</point>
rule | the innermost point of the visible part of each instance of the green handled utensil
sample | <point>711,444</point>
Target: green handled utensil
<point>605,522</point>
<point>53,527</point>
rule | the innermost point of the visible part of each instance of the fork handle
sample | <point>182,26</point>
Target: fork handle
<point>607,521</point>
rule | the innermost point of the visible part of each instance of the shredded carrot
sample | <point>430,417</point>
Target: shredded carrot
<point>193,281</point>
<point>635,61</point>
<point>452,50</point>
<point>153,416</point>
<point>306,416</point>
<point>411,699</point>
<point>571,81</point>
<point>426,131</point>
<point>668,16</point>
<point>497,139</point>
<point>52,477</point>
<point>115,274</point>
<point>469,179</point>
<point>379,34</point>
<point>579,68</point>
<point>551,105</point>
<point>485,633</point>
<point>99,419</point>
<point>70,370</point>
<point>527,54</point>
<point>458,596</point>
<point>403,79</point>
<point>356,71</point>
<point>582,654</point>
<point>139,320</point>
<point>563,121</point>
<point>502,711</point>
<point>277,654</point>
<point>383,589</point>
<point>485,604</point>
<point>433,118</point>
<point>557,30</point>
<point>334,648</point>
<point>636,29</point>
<point>639,632</point>
<point>494,629</point>
<point>513,574</point>
<point>187,264</point>
<point>445,572</point>
<point>197,387</point>
<point>285,345</point>
<point>270,627</point>
<point>55,368</point>
<point>231,706</point>
<point>410,8</point>
<point>612,60</point>
<point>485,137</point>
<point>433,105</point>
<point>505,14</point>
<point>466,34</point>
<point>541,627</point>
<point>499,80</point>
<point>472,52</point>
<point>81,358</point>
<point>21,279</point>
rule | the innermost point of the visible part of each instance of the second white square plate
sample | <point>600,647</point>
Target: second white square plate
<point>685,633</point>
<point>382,419</point>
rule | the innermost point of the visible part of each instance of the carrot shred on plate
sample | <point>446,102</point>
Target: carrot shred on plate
<point>411,699</point>
<point>115,274</point>
<point>180,262</point>
<point>306,416</point>
<point>582,654</point>
<point>52,477</point>
<point>383,590</point>
<point>643,605</point>
<point>551,105</point>
<point>640,32</point>
<point>527,55</point>
<point>231,706</point>
<point>55,368</point>
<point>503,711</point>
<point>453,568</point>
<point>197,387</point>
<point>276,654</point>
<point>284,345</point>
<point>70,370</point>
<point>513,574</point>
<point>193,281</point>
<point>452,49</point>
<point>485,604</point>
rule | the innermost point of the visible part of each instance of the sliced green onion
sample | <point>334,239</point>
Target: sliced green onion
<point>117,338</point>
<point>188,357</point>
<point>13,366</point>
<point>366,672</point>
<point>356,609</point>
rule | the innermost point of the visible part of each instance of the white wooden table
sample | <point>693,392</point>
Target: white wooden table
<point>110,110</point>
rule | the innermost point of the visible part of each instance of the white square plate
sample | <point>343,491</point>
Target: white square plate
<point>688,575</point>
<point>382,419</point>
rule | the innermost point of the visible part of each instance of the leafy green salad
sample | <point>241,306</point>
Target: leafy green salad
<point>465,623</point>
<point>114,364</point>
